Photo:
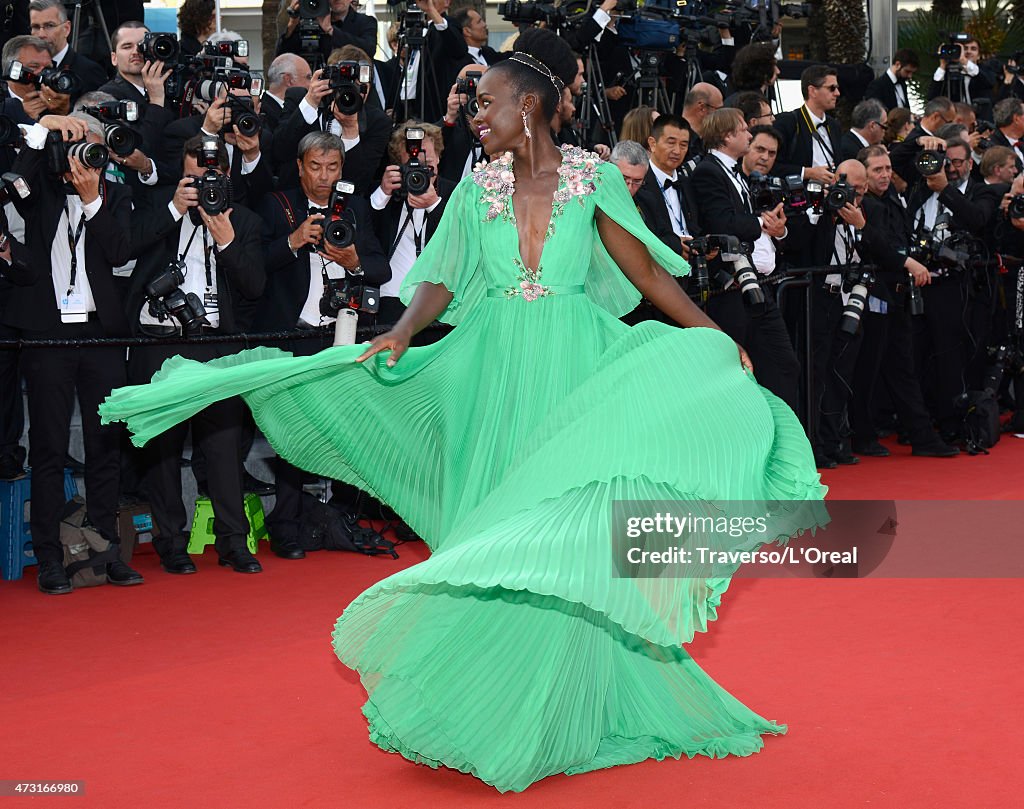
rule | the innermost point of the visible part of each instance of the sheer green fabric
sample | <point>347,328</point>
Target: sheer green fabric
<point>514,653</point>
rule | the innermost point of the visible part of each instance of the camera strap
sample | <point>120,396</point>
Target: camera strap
<point>417,235</point>
<point>207,250</point>
<point>826,146</point>
<point>849,245</point>
<point>73,239</point>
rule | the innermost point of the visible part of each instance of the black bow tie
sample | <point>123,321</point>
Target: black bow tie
<point>677,184</point>
<point>822,125</point>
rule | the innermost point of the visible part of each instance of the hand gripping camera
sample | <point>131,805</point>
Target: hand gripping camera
<point>347,80</point>
<point>467,86</point>
<point>166,300</point>
<point>59,153</point>
<point>59,81</point>
<point>338,231</point>
<point>121,139</point>
<point>214,188</point>
<point>416,176</point>
<point>734,269</point>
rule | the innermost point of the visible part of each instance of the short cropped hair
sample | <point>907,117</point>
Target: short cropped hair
<point>194,147</point>
<point>321,142</point>
<point>631,152</point>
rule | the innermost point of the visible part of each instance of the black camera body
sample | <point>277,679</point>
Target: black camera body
<point>214,191</point>
<point>159,47</point>
<point>416,176</point>
<point>839,195</point>
<point>766,192</point>
<point>342,293</point>
<point>313,9</point>
<point>338,231</point>
<point>347,80</point>
<point>58,154</point>
<point>240,47</point>
<point>953,48</point>
<point>121,139</point>
<point>243,115</point>
<point>166,300</point>
<point>60,81</point>
<point>734,268</point>
<point>930,162</point>
<point>467,86</point>
<point>986,128</point>
<point>1015,210</point>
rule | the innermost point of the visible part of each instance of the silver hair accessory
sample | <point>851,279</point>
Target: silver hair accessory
<point>535,63</point>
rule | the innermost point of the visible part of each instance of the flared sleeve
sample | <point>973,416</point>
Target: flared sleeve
<point>606,284</point>
<point>452,256</point>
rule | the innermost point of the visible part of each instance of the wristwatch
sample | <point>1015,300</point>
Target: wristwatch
<point>357,270</point>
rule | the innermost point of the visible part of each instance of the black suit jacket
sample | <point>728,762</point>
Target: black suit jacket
<point>271,112</point>
<point>244,187</point>
<point>288,274</point>
<point>239,267</point>
<point>491,56</point>
<point>884,90</point>
<point>91,74</point>
<point>362,164</point>
<point>970,210</point>
<point>892,226</point>
<point>356,29</point>
<point>797,149</point>
<point>107,245</point>
<point>650,201</point>
<point>981,87</point>
<point>719,205</point>
<point>458,143</point>
<point>849,146</point>
<point>386,222</point>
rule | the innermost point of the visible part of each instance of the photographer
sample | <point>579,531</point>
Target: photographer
<point>215,258</point>
<point>404,221</point>
<point>49,21</point>
<point>340,25</point>
<point>37,99</point>
<point>75,239</point>
<point>137,79</point>
<point>961,79</point>
<point>141,169</point>
<point>867,127</point>
<point>941,338</point>
<point>724,203</point>
<point>810,136</point>
<point>887,347</point>
<point>462,149</point>
<point>251,174</point>
<point>364,131</point>
<point>302,267</point>
<point>937,112</point>
<point>474,30</point>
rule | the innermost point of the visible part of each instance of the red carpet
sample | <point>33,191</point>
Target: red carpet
<point>220,690</point>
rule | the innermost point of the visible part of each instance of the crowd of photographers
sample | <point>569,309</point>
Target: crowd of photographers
<point>178,195</point>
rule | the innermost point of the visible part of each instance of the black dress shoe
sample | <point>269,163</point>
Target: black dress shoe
<point>52,579</point>
<point>935,449</point>
<point>846,458</point>
<point>11,468</point>
<point>871,449</point>
<point>256,486</point>
<point>822,461</point>
<point>240,561</point>
<point>179,563</point>
<point>287,547</point>
<point>123,576</point>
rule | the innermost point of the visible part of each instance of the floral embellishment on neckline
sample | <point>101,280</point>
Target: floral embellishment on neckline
<point>577,176</point>
<point>529,286</point>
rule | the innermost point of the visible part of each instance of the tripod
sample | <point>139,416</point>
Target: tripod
<point>649,89</point>
<point>96,12</point>
<point>412,39</point>
<point>594,110</point>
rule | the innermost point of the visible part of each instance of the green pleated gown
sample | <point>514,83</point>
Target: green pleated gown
<point>513,653</point>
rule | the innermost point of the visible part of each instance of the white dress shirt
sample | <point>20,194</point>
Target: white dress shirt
<point>901,95</point>
<point>671,197</point>
<point>970,71</point>
<point>309,115</point>
<point>405,251</point>
<point>310,314</point>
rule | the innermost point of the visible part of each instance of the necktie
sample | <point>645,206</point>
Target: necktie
<point>676,184</point>
<point>823,125</point>
<point>1019,145</point>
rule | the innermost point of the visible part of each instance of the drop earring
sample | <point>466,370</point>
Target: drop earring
<point>526,126</point>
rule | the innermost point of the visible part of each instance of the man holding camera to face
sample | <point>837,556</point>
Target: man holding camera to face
<point>321,253</point>
<point>31,78</point>
<point>407,206</point>
<point>337,24</point>
<point>49,21</point>
<point>199,271</point>
<point>76,231</point>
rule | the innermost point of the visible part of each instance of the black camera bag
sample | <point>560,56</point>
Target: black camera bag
<point>980,413</point>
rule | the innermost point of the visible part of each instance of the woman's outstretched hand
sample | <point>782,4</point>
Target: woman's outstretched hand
<point>396,341</point>
<point>745,359</point>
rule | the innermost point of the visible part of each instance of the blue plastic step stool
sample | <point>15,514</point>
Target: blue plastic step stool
<point>15,533</point>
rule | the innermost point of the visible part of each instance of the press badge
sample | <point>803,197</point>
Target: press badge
<point>72,308</point>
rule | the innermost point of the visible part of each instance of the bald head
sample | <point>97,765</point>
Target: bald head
<point>288,70</point>
<point>701,101</point>
<point>856,174</point>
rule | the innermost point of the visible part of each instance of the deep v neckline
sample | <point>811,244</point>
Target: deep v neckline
<point>549,229</point>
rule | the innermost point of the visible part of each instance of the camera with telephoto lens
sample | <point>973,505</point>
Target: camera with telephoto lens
<point>159,47</point>
<point>59,153</point>
<point>347,80</point>
<point>240,47</point>
<point>519,13</point>
<point>60,81</point>
<point>243,115</point>
<point>953,48</point>
<point>222,79</point>
<point>467,86</point>
<point>735,268</point>
<point>166,299</point>
<point>416,176</point>
<point>857,282</point>
<point>122,140</point>
<point>338,231</point>
<point>342,293</point>
<point>929,162</point>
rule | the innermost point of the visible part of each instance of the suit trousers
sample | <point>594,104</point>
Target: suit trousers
<point>766,340</point>
<point>12,410</point>
<point>217,429</point>
<point>55,376</point>
<point>940,340</point>
<point>834,358</point>
<point>886,353</point>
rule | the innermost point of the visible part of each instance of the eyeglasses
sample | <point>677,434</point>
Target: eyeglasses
<point>956,162</point>
<point>46,26</point>
<point>879,124</point>
<point>633,183</point>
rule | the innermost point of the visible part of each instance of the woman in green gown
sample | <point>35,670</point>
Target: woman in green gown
<point>515,652</point>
